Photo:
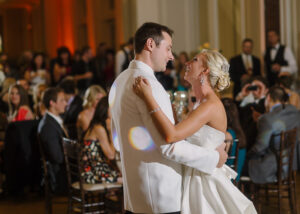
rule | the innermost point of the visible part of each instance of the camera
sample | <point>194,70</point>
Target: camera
<point>193,99</point>
<point>252,88</point>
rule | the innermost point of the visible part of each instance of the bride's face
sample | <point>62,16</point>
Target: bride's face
<point>194,68</point>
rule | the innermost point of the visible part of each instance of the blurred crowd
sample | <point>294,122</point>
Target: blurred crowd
<point>67,96</point>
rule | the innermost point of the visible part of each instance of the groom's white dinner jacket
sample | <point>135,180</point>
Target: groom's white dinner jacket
<point>151,169</point>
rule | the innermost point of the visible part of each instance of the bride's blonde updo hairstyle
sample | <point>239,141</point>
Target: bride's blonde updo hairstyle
<point>219,69</point>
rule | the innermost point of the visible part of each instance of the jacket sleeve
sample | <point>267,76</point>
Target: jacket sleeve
<point>191,155</point>
<point>264,135</point>
<point>234,71</point>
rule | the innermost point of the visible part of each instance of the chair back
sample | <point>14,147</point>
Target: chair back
<point>72,154</point>
<point>3,126</point>
<point>44,161</point>
<point>285,156</point>
<point>21,158</point>
<point>232,148</point>
<point>46,178</point>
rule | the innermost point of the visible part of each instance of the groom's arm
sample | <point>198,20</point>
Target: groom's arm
<point>191,155</point>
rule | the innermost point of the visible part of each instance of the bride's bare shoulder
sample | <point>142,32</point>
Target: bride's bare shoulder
<point>211,104</point>
<point>213,108</point>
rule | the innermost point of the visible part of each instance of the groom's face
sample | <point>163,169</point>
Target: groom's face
<point>162,53</point>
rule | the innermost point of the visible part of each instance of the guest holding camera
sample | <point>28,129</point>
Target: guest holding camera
<point>252,92</point>
<point>252,98</point>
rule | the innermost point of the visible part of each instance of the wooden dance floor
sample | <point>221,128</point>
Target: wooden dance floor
<point>35,204</point>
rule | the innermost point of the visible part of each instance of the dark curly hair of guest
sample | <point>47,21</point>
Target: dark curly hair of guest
<point>100,115</point>
<point>233,120</point>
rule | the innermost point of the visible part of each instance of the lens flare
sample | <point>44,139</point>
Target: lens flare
<point>140,139</point>
<point>112,95</point>
<point>116,141</point>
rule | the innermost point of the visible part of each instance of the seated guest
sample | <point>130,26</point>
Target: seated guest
<point>37,72</point>
<point>91,98</point>
<point>286,82</point>
<point>61,66</point>
<point>24,62</point>
<point>98,147</point>
<point>39,108</point>
<point>74,105</point>
<point>18,104</point>
<point>51,131</point>
<point>279,117</point>
<point>4,94</point>
<point>253,91</point>
<point>252,99</point>
<point>235,131</point>
<point>25,84</point>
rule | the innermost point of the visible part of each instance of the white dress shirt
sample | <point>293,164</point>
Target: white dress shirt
<point>247,60</point>
<point>288,56</point>
<point>120,59</point>
<point>58,119</point>
<point>152,179</point>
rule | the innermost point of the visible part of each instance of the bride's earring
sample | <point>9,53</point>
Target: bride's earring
<point>202,80</point>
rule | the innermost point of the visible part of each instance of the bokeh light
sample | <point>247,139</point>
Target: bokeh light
<point>112,95</point>
<point>140,139</point>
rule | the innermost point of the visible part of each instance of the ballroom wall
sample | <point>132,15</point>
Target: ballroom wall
<point>221,23</point>
<point>43,25</point>
<point>46,24</point>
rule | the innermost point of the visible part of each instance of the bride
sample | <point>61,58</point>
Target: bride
<point>205,126</point>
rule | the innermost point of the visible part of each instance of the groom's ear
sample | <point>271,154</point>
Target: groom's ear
<point>150,44</point>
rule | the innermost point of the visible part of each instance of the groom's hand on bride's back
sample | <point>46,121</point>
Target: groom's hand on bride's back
<point>222,155</point>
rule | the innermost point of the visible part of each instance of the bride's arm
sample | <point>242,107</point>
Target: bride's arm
<point>170,132</point>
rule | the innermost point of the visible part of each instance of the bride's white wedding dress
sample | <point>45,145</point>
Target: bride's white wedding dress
<point>215,193</point>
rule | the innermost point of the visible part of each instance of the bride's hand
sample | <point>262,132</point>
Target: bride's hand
<point>142,88</point>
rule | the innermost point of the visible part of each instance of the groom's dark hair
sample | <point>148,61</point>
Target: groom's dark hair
<point>149,30</point>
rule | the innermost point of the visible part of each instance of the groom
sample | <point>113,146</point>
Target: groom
<point>151,168</point>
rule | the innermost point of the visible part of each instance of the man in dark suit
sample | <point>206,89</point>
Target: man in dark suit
<point>74,106</point>
<point>279,59</point>
<point>280,117</point>
<point>51,131</point>
<point>244,66</point>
